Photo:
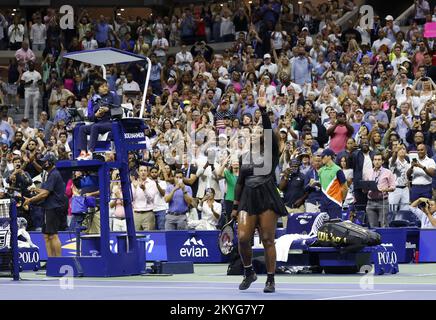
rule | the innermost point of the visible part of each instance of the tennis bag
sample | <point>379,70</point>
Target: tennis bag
<point>347,235</point>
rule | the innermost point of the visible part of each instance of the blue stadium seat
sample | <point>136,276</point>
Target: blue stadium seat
<point>404,218</point>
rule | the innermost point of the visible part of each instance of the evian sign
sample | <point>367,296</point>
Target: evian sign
<point>194,248</point>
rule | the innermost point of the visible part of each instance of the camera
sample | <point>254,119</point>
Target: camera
<point>10,193</point>
<point>75,115</point>
<point>424,204</point>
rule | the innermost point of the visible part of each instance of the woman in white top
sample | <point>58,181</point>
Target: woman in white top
<point>277,38</point>
<point>344,164</point>
<point>399,86</point>
<point>324,100</point>
<point>427,92</point>
<point>318,49</point>
<point>116,207</point>
<point>227,28</point>
<point>207,178</point>
<point>141,47</point>
<point>175,31</point>
<point>210,212</point>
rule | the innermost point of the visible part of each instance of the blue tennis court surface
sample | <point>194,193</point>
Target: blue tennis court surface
<point>210,282</point>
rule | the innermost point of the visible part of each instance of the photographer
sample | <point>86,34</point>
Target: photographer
<point>292,185</point>
<point>18,182</point>
<point>425,210</point>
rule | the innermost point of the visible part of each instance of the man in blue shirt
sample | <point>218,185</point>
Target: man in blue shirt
<point>312,186</point>
<point>377,116</point>
<point>271,12</point>
<point>102,32</point>
<point>249,106</point>
<point>358,122</point>
<point>301,68</point>
<point>155,77</point>
<point>62,113</point>
<point>127,44</point>
<point>179,198</point>
<point>52,198</point>
<point>187,27</point>
<point>5,127</point>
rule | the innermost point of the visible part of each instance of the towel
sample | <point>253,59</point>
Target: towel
<point>284,243</point>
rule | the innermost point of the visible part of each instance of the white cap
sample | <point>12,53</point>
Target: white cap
<point>305,28</point>
<point>360,110</point>
<point>222,135</point>
<point>389,18</point>
<point>367,76</point>
<point>267,56</point>
<point>284,130</point>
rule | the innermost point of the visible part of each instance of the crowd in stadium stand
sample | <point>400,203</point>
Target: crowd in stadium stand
<point>368,95</point>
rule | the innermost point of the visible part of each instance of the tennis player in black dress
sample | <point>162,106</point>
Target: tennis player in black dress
<point>257,200</point>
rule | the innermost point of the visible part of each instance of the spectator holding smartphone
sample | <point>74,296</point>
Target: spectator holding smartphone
<point>421,173</point>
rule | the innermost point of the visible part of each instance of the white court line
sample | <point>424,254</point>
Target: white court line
<point>364,295</point>
<point>158,280</point>
<point>379,291</point>
<point>175,287</point>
